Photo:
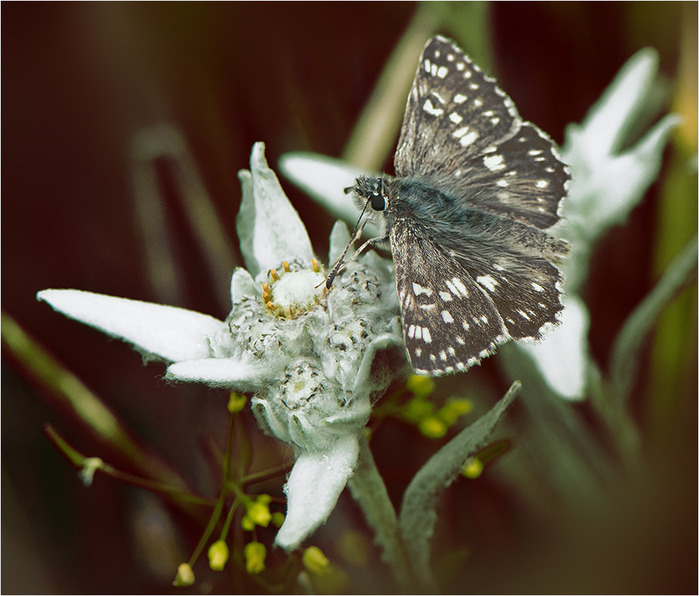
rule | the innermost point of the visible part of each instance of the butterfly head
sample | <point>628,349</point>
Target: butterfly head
<point>371,190</point>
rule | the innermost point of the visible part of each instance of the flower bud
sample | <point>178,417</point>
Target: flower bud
<point>255,553</point>
<point>218,555</point>
<point>315,561</point>
<point>184,577</point>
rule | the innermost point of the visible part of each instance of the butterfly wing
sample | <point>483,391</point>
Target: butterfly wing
<point>462,133</point>
<point>449,323</point>
<point>451,105</point>
<point>476,187</point>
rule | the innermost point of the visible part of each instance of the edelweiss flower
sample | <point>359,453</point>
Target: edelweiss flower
<point>313,359</point>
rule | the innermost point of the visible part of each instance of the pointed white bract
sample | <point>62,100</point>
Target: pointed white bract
<point>607,183</point>
<point>609,174</point>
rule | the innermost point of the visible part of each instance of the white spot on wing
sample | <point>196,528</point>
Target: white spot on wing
<point>446,317</point>
<point>427,338</point>
<point>494,162</point>
<point>457,287</point>
<point>468,139</point>
<point>429,107</point>
<point>488,282</point>
<point>418,289</point>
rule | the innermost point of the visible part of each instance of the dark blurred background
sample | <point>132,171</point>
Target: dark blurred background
<point>81,81</point>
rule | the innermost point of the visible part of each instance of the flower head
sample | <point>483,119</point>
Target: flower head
<point>313,359</point>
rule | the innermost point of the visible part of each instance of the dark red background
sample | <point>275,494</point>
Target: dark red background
<point>76,86</point>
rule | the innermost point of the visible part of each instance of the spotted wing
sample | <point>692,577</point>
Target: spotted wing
<point>454,113</point>
<point>462,134</point>
<point>512,263</point>
<point>449,322</point>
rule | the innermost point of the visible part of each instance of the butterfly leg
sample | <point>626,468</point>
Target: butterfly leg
<point>341,263</point>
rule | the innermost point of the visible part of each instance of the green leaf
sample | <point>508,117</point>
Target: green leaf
<point>625,360</point>
<point>418,515</point>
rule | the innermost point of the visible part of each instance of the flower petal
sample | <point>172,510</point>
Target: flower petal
<point>562,357</point>
<point>608,121</point>
<point>166,332</point>
<point>314,485</point>
<point>269,228</point>
<point>339,237</point>
<point>608,183</point>
<point>223,372</point>
<point>242,284</point>
<point>325,179</point>
<point>382,363</point>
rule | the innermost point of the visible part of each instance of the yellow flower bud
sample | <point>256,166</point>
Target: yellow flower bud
<point>432,427</point>
<point>255,553</point>
<point>453,409</point>
<point>247,524</point>
<point>236,402</point>
<point>184,577</point>
<point>218,555</point>
<point>315,561</point>
<point>417,409</point>
<point>472,468</point>
<point>419,385</point>
<point>278,518</point>
<point>258,512</point>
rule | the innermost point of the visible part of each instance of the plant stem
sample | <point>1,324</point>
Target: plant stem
<point>369,490</point>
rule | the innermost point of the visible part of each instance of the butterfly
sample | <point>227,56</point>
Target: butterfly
<point>466,215</point>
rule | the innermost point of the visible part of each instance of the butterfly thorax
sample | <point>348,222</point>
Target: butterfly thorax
<point>399,198</point>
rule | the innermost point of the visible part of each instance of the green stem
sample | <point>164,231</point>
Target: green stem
<point>67,393</point>
<point>80,461</point>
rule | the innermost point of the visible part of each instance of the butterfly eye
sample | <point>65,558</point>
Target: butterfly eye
<point>378,202</point>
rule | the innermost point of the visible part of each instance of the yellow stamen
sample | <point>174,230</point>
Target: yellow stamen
<point>315,265</point>
<point>274,274</point>
<point>286,266</point>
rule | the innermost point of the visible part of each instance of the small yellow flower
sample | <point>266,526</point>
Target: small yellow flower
<point>417,409</point>
<point>218,555</point>
<point>453,409</point>
<point>472,468</point>
<point>432,427</point>
<point>184,577</point>
<point>419,385</point>
<point>315,561</point>
<point>258,513</point>
<point>278,518</point>
<point>236,402</point>
<point>255,553</point>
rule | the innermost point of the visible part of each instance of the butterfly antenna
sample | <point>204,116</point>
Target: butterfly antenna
<point>356,233</point>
